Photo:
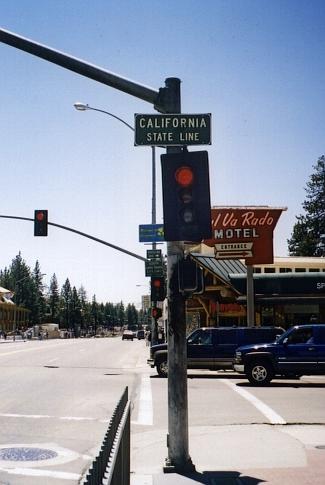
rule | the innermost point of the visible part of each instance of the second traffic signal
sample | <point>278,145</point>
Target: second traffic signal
<point>40,222</point>
<point>186,196</point>
<point>156,313</point>
<point>158,289</point>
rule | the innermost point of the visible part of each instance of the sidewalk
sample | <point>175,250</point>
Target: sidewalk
<point>235,455</point>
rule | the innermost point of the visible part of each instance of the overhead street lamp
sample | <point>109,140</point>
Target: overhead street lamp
<point>85,107</point>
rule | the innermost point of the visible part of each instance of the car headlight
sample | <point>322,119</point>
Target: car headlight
<point>238,355</point>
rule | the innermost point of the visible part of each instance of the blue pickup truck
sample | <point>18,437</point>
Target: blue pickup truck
<point>213,347</point>
<point>299,351</point>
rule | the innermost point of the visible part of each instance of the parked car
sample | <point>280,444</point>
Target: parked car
<point>127,335</point>
<point>299,351</point>
<point>140,334</point>
<point>213,347</point>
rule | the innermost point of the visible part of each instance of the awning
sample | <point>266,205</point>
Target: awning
<point>221,268</point>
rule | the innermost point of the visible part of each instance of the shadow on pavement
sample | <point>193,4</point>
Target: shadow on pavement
<point>231,375</point>
<point>217,478</point>
<point>296,384</point>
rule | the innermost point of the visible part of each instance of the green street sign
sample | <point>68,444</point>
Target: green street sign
<point>154,267</point>
<point>153,253</point>
<point>172,129</point>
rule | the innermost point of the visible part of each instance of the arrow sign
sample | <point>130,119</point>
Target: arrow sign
<point>234,250</point>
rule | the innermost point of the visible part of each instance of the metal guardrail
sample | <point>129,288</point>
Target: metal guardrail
<point>112,464</point>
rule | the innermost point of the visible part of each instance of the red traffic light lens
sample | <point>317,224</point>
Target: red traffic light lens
<point>40,216</point>
<point>184,176</point>
<point>156,283</point>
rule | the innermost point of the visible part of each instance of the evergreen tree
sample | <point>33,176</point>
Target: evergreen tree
<point>120,314</point>
<point>5,280</point>
<point>94,312</point>
<point>131,315</point>
<point>65,304</point>
<point>85,316</point>
<point>39,309</point>
<point>75,311</point>
<point>308,236</point>
<point>54,299</point>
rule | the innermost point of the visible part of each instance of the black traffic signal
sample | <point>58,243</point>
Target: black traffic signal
<point>158,289</point>
<point>40,223</point>
<point>156,313</point>
<point>190,277</point>
<point>186,196</point>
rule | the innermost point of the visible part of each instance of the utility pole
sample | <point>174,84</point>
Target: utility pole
<point>164,100</point>
<point>178,459</point>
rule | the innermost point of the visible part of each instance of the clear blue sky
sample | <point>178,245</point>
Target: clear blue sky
<point>257,66</point>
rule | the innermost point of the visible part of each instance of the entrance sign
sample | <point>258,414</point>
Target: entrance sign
<point>233,226</point>
<point>172,129</point>
<point>234,250</point>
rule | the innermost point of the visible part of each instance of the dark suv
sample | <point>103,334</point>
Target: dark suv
<point>299,351</point>
<point>213,347</point>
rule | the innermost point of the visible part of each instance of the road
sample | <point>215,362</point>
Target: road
<point>57,397</point>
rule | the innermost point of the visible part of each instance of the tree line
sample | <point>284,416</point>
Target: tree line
<point>67,306</point>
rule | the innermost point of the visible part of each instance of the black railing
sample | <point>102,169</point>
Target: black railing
<point>112,464</point>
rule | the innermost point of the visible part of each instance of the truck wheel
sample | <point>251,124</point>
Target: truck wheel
<point>259,373</point>
<point>162,368</point>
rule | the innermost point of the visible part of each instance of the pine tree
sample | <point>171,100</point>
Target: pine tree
<point>39,310</point>
<point>65,304</point>
<point>85,317</point>
<point>75,311</point>
<point>54,299</point>
<point>308,236</point>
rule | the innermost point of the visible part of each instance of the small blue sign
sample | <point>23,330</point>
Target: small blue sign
<point>151,233</point>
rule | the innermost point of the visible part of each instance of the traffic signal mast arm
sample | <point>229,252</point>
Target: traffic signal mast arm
<point>159,98</point>
<point>93,238</point>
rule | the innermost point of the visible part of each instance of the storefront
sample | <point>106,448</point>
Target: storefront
<point>286,299</point>
<point>12,317</point>
<point>294,297</point>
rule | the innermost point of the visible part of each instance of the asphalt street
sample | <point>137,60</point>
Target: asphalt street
<point>58,396</point>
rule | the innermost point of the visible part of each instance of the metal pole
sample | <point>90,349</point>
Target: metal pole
<point>250,297</point>
<point>154,326</point>
<point>178,459</point>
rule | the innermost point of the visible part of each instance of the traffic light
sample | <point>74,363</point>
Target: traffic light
<point>186,196</point>
<point>158,289</point>
<point>156,313</point>
<point>40,223</point>
<point>190,277</point>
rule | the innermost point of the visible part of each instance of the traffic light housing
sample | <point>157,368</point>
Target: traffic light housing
<point>190,277</point>
<point>40,222</point>
<point>156,313</point>
<point>158,289</point>
<point>186,196</point>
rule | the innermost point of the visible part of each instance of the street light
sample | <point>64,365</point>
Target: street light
<point>84,107</point>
